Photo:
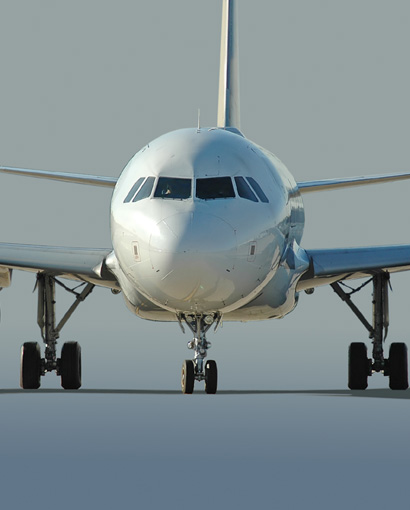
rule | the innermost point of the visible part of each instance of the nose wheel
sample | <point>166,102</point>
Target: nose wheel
<point>187,377</point>
<point>197,369</point>
<point>211,377</point>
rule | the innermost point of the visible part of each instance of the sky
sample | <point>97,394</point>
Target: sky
<point>84,85</point>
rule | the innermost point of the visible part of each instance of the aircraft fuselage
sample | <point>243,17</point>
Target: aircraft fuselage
<point>204,221</point>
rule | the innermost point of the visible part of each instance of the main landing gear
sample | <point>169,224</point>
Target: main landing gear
<point>32,365</point>
<point>198,369</point>
<point>360,366</point>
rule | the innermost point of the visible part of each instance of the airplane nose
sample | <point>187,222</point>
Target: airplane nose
<point>193,254</point>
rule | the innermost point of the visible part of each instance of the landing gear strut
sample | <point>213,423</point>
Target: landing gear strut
<point>69,365</point>
<point>197,369</point>
<point>360,367</point>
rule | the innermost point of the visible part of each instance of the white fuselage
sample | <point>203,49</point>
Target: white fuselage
<point>205,221</point>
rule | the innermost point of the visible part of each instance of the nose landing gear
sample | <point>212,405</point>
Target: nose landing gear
<point>197,369</point>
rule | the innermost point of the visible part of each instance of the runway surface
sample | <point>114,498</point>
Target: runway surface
<point>119,448</point>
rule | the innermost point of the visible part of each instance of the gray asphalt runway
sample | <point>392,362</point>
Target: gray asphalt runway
<point>103,448</point>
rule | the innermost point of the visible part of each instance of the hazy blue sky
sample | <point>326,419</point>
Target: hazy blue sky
<point>84,85</point>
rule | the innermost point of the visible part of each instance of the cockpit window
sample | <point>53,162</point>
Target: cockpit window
<point>133,190</point>
<point>171,187</point>
<point>258,190</point>
<point>145,190</point>
<point>214,187</point>
<point>244,190</point>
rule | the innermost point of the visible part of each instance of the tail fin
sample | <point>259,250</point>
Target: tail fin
<point>228,101</point>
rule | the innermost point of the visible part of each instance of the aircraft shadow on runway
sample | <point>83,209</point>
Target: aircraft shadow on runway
<point>373,393</point>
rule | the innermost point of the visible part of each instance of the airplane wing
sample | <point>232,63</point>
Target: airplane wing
<point>330,265</point>
<point>348,182</point>
<point>93,180</point>
<point>82,264</point>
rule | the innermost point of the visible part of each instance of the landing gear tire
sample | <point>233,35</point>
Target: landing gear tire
<point>30,366</point>
<point>398,372</point>
<point>187,377</point>
<point>358,366</point>
<point>70,366</point>
<point>211,377</point>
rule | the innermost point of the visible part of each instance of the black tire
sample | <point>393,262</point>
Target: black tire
<point>211,377</point>
<point>187,377</point>
<point>358,366</point>
<point>30,366</point>
<point>398,372</point>
<point>70,366</point>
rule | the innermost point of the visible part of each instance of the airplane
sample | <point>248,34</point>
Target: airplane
<point>206,227</point>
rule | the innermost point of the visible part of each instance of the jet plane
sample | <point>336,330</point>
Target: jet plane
<point>207,226</point>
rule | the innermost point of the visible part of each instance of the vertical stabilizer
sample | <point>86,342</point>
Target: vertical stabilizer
<point>228,100</point>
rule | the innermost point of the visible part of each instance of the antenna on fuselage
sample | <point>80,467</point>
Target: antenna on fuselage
<point>199,119</point>
<point>228,99</point>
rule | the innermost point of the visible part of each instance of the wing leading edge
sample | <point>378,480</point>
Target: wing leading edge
<point>349,182</point>
<point>330,265</point>
<point>93,180</point>
<point>82,264</point>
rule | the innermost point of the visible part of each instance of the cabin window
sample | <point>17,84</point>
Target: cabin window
<point>244,190</point>
<point>258,190</point>
<point>214,187</point>
<point>145,190</point>
<point>171,187</point>
<point>133,190</point>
